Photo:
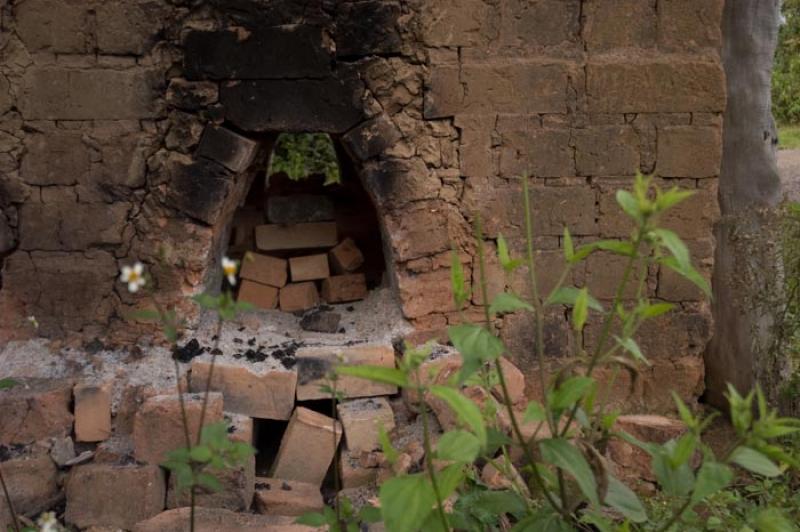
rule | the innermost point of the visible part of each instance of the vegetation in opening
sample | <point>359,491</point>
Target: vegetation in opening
<point>301,155</point>
<point>786,72</point>
<point>789,137</point>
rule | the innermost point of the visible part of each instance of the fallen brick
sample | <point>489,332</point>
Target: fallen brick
<point>114,495</point>
<point>265,390</point>
<point>275,496</point>
<point>236,494</point>
<point>298,296</point>
<point>315,363</point>
<point>356,472</point>
<point>32,482</point>
<point>344,288</point>
<point>35,409</point>
<point>259,295</point>
<point>220,520</point>
<point>264,269</point>
<point>92,412</point>
<point>346,257</point>
<point>307,447</point>
<point>362,420</point>
<point>630,462</point>
<point>272,237</point>
<point>309,268</point>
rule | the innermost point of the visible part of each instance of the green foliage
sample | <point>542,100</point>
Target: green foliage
<point>7,383</point>
<point>301,155</point>
<point>786,71</point>
<point>789,137</point>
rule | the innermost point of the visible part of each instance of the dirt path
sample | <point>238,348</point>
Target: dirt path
<point>789,169</point>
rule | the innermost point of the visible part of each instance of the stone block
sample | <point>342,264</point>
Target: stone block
<point>371,138</point>
<point>158,426</point>
<point>92,412</point>
<point>309,267</point>
<point>420,231</point>
<point>614,24</point>
<point>689,151</point>
<point>673,287</point>
<point>657,86</point>
<point>425,293</point>
<point>458,23</point>
<point>557,207</point>
<point>263,390</point>
<point>362,420</point>
<point>230,149</point>
<point>307,447</point>
<point>32,483</point>
<point>114,495</point>
<point>57,26</point>
<point>346,257</point>
<point>240,427</point>
<point>191,95</point>
<point>436,369</point>
<point>57,158</point>
<point>264,53</point>
<point>221,520</point>
<point>632,463</point>
<point>319,320</point>
<point>68,226</point>
<point>444,93</point>
<point>537,152</point>
<point>367,28</point>
<point>274,237</point>
<point>685,25</point>
<point>354,471</point>
<point>325,105</point>
<point>126,27</point>
<point>264,269</point>
<point>607,151</point>
<point>300,208</point>
<point>298,296</point>
<point>515,383</point>
<point>259,295</point>
<point>51,93</point>
<point>35,409</point>
<point>315,363</point>
<point>238,488</point>
<point>199,188</point>
<point>540,24</point>
<point>275,496</point>
<point>344,288</point>
<point>694,217</point>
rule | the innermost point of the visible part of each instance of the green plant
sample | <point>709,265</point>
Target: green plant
<point>786,70</point>
<point>301,155</point>
<point>565,483</point>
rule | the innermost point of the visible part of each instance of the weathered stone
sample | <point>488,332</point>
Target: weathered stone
<point>539,24</point>
<point>55,25</point>
<point>32,483</point>
<point>620,24</point>
<point>344,288</point>
<point>57,158</point>
<point>64,226</point>
<point>395,183</point>
<point>275,496</point>
<point>458,23</point>
<point>607,151</point>
<point>275,237</point>
<point>367,28</point>
<point>284,52</point>
<point>425,293</point>
<point>308,447</point>
<point>230,149</point>
<point>534,151</point>
<point>262,390</point>
<point>687,25</point>
<point>674,287</point>
<point>299,208</point>
<point>689,151</point>
<point>363,419</point>
<point>35,409</point>
<point>50,93</point>
<point>104,495</point>
<point>323,321</point>
<point>314,364</point>
<point>7,237</point>
<point>372,138</point>
<point>632,463</point>
<point>128,27</point>
<point>62,451</point>
<point>185,131</point>
<point>236,493</point>
<point>199,189</point>
<point>220,520</point>
<point>191,95</point>
<point>158,426</point>
<point>92,412</point>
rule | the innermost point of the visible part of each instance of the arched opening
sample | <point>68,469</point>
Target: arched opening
<point>307,233</point>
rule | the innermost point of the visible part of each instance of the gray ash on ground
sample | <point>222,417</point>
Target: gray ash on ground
<point>189,351</point>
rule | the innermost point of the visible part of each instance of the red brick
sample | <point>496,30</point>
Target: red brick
<point>92,412</point>
<point>221,520</point>
<point>607,151</point>
<point>344,288</point>
<point>238,488</point>
<point>346,257</point>
<point>308,447</point>
<point>264,269</point>
<point>689,151</point>
<point>35,409</point>
<point>32,482</point>
<point>362,420</point>
<point>272,237</point>
<point>257,294</point>
<point>275,496</point>
<point>314,363</point>
<point>309,268</point>
<point>298,296</point>
<point>632,463</point>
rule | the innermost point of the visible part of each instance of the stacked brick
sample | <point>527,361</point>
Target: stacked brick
<point>298,255</point>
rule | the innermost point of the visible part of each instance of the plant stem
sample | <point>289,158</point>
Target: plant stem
<point>7,495</point>
<point>426,443</point>
<point>208,379</point>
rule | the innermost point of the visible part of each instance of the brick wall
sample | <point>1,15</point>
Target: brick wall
<point>441,104</point>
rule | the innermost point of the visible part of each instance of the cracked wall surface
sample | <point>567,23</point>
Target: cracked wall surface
<point>106,155</point>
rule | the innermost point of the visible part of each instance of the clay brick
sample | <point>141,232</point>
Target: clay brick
<point>220,520</point>
<point>265,390</point>
<point>32,482</point>
<point>309,268</point>
<point>354,472</point>
<point>264,269</point>
<point>230,149</point>
<point>35,409</point>
<point>688,25</point>
<point>515,383</point>
<point>620,24</point>
<point>444,93</point>
<point>604,272</point>
<point>298,296</point>
<point>259,295</point>
<point>92,412</point>
<point>372,137</point>
<point>63,226</point>
<point>673,287</point>
<point>689,151</point>
<point>100,94</point>
<point>344,288</point>
<point>659,86</point>
<point>55,159</point>
<point>694,217</point>
<point>537,152</point>
<point>307,447</point>
<point>54,25</point>
<point>128,27</point>
<point>436,369</point>
<point>314,364</point>
<point>346,257</point>
<point>419,231</point>
<point>275,496</point>
<point>240,427</point>
<point>362,420</point>
<point>299,208</point>
<point>558,207</point>
<point>607,151</point>
<point>632,463</point>
<point>274,237</point>
<point>158,426</point>
<point>238,488</point>
<point>426,293</point>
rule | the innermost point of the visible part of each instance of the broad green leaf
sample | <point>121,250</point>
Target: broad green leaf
<point>315,519</point>
<point>449,479</point>
<point>505,302</point>
<point>685,447</point>
<point>545,520</point>
<point>675,481</point>
<point>618,247</point>
<point>388,449</point>
<point>670,198</point>
<point>476,345</point>
<point>7,383</point>
<point>569,247</point>
<point>570,392</point>
<point>688,273</point>
<point>561,453</point>
<point>466,411</point>
<point>200,453</point>
<point>457,284</point>
<point>146,315</point>
<point>534,412</point>
<point>501,502</point>
<point>581,309</point>
<point>370,514</point>
<point>772,520</point>
<point>215,434</point>
<point>375,373</point>
<point>712,477</point>
<point>209,482</point>
<point>504,257</point>
<point>406,501</point>
<point>675,245</point>
<point>653,311</point>
<point>567,295</point>
<point>629,204</point>
<point>458,446</point>
<point>755,462</point>
<point>630,345</point>
<point>623,499</point>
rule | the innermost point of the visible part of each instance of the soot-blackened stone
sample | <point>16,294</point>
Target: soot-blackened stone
<point>287,52</point>
<point>188,352</point>
<point>366,28</point>
<point>199,189</point>
<point>300,208</point>
<point>321,321</point>
<point>372,137</point>
<point>230,149</point>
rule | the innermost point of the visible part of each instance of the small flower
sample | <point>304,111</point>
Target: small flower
<point>48,523</point>
<point>33,321</point>
<point>134,276</point>
<point>229,268</point>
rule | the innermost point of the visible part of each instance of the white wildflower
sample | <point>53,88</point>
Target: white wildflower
<point>229,268</point>
<point>33,321</point>
<point>48,523</point>
<point>134,276</point>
